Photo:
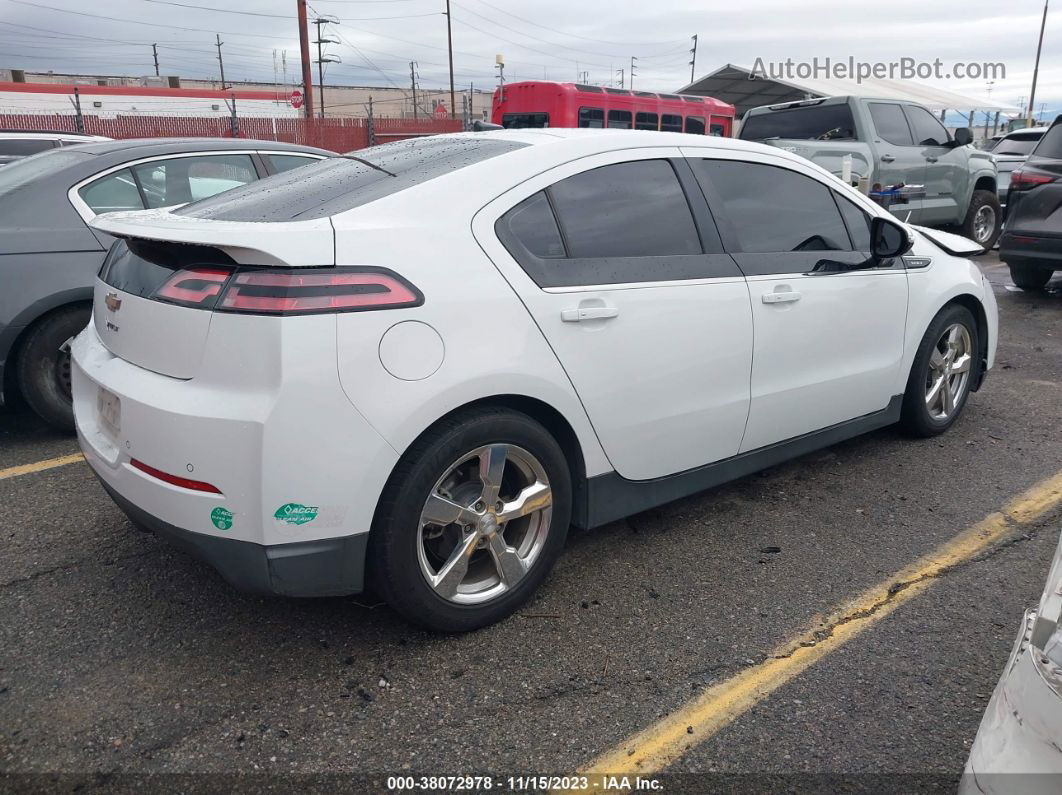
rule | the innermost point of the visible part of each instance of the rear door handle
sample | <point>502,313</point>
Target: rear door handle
<point>781,298</point>
<point>887,158</point>
<point>588,313</point>
<point>931,159</point>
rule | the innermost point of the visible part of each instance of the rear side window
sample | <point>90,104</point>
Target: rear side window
<point>342,183</point>
<point>645,121</point>
<point>619,119</point>
<point>811,122</point>
<point>518,121</point>
<point>890,123</point>
<point>532,223</point>
<point>178,180</point>
<point>22,147</point>
<point>287,162</point>
<point>695,125</point>
<point>774,210</point>
<point>112,193</point>
<point>591,117</point>
<point>634,209</point>
<point>669,123</point>
<point>1051,144</point>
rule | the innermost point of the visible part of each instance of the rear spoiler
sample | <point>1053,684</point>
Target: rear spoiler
<point>295,244</point>
<point>956,245</point>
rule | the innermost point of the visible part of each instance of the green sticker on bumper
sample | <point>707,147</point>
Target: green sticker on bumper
<point>222,518</point>
<point>294,513</point>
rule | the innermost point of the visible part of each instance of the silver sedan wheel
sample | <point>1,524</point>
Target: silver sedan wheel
<point>949,372</point>
<point>984,223</point>
<point>484,524</point>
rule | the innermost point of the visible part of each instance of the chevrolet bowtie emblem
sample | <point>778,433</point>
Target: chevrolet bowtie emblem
<point>114,303</point>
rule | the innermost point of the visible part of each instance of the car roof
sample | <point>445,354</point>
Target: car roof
<point>1040,130</point>
<point>146,147</point>
<point>50,135</point>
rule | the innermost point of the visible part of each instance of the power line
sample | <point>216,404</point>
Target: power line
<point>264,14</point>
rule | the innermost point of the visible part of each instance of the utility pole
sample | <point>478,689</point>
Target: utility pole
<point>79,120</point>
<point>633,59</point>
<point>499,64</point>
<point>221,62</point>
<point>413,83</point>
<point>321,58</point>
<point>304,48</point>
<point>693,59</point>
<point>371,125</point>
<point>620,73</point>
<point>155,55</point>
<point>1036,68</point>
<point>450,52</point>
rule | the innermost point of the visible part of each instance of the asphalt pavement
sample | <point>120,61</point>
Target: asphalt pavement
<point>121,656</point>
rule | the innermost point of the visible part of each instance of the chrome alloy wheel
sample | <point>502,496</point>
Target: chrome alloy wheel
<point>984,223</point>
<point>949,371</point>
<point>484,524</point>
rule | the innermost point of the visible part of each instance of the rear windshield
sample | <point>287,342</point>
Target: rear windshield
<point>343,183</point>
<point>1050,145</point>
<point>140,267</point>
<point>28,169</point>
<point>20,147</point>
<point>1019,144</point>
<point>813,122</point>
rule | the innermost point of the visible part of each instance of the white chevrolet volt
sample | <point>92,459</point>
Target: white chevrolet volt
<point>417,367</point>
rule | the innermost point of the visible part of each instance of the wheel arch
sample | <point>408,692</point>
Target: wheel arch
<point>985,182</point>
<point>977,309</point>
<point>24,324</point>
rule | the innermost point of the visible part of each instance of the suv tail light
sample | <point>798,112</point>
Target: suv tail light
<point>1027,178</point>
<point>287,291</point>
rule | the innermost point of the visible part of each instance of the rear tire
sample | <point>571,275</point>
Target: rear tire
<point>1030,277</point>
<point>44,370</point>
<point>937,366</point>
<point>984,219</point>
<point>491,575</point>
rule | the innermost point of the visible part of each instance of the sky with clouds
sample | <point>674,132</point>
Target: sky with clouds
<point>551,39</point>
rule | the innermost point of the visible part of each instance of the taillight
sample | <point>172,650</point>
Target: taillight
<point>174,480</point>
<point>316,290</point>
<point>1026,179</point>
<point>197,287</point>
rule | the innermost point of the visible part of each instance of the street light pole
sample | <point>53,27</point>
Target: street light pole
<point>450,52</point>
<point>1036,68</point>
<point>304,48</point>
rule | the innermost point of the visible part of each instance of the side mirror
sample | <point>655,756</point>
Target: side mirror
<point>963,136</point>
<point>888,239</point>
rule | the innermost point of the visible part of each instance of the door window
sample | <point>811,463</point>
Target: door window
<point>179,180</point>
<point>591,117</point>
<point>857,221</point>
<point>927,130</point>
<point>773,209</point>
<point>113,192</point>
<point>619,119</point>
<point>890,123</point>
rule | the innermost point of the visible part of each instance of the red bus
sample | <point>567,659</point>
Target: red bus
<point>537,103</point>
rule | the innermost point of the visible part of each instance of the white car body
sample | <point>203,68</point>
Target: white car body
<point>665,388</point>
<point>1017,748</point>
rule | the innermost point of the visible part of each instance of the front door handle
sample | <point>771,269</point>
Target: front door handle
<point>781,297</point>
<point>931,160</point>
<point>887,158</point>
<point>588,313</point>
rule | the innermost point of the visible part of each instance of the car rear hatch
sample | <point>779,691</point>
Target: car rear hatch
<point>158,289</point>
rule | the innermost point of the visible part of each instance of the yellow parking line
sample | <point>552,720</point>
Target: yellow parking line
<point>659,745</point>
<point>40,466</point>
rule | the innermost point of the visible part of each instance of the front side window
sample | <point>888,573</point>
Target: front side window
<point>179,180</point>
<point>695,125</point>
<point>619,119</point>
<point>669,123</point>
<point>114,192</point>
<point>519,121</point>
<point>858,222</point>
<point>646,121</point>
<point>927,130</point>
<point>591,117</point>
<point>890,123</point>
<point>773,209</point>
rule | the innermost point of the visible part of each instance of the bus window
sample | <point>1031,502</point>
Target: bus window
<point>619,119</point>
<point>695,125</point>
<point>717,129</point>
<point>591,117</point>
<point>518,121</point>
<point>645,121</point>
<point>669,123</point>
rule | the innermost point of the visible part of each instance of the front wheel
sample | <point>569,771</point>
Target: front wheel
<point>946,365</point>
<point>472,520</point>
<point>984,219</point>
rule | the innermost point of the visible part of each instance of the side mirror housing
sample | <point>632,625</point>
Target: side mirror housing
<point>888,239</point>
<point>963,136</point>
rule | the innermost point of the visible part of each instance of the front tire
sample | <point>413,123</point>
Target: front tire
<point>984,219</point>
<point>946,365</point>
<point>471,521</point>
<point>1029,277</point>
<point>44,369</point>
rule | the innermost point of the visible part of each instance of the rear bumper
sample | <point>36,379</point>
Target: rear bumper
<point>1031,249</point>
<point>327,567</point>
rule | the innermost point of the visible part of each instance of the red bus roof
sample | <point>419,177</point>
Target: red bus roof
<point>711,104</point>
<point>140,91</point>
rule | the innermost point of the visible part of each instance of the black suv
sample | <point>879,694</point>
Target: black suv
<point>1032,241</point>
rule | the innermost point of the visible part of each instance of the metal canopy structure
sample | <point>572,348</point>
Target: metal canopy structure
<point>736,85</point>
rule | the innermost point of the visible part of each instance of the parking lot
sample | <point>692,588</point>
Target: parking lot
<point>119,655</point>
